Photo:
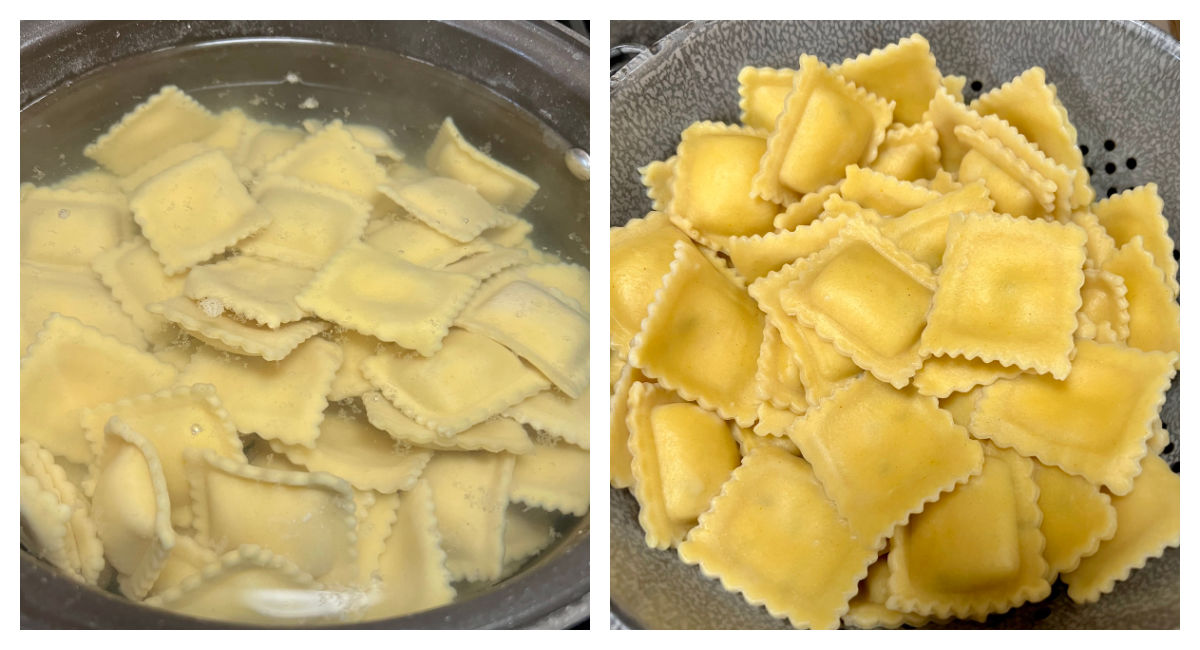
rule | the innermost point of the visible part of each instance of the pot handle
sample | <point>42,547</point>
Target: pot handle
<point>620,55</point>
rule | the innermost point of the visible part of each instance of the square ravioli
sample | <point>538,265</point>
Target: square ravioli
<point>1094,424</point>
<point>309,222</point>
<point>763,92</point>
<point>1153,314</point>
<point>1032,107</point>
<point>1147,523</point>
<point>259,289</point>
<point>412,564</point>
<point>451,155</point>
<point>232,334</point>
<point>169,118</point>
<point>904,72</point>
<point>1076,517</point>
<point>975,551</point>
<point>305,517</point>
<point>71,366</point>
<point>1008,291</point>
<point>488,377</point>
<point>1139,212</point>
<point>280,400</point>
<point>552,476</point>
<point>470,499</point>
<point>821,365</point>
<point>640,254</point>
<point>867,297</point>
<point>680,456</point>
<point>702,336</point>
<point>374,293</point>
<point>826,124</point>
<point>367,457</point>
<point>448,206</point>
<point>711,188</point>
<point>1000,151</point>
<point>773,536</point>
<point>533,322</point>
<point>136,278</point>
<point>70,227</point>
<point>131,507</point>
<point>882,454</point>
<point>48,289</point>
<point>195,210</point>
<point>1016,188</point>
<point>333,158</point>
<point>185,417</point>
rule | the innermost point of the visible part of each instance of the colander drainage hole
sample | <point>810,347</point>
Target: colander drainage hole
<point>1109,145</point>
<point>977,85</point>
<point>1169,448</point>
<point>1175,467</point>
<point>1083,149</point>
<point>1131,163</point>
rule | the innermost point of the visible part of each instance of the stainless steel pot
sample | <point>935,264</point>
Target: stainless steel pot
<point>520,87</point>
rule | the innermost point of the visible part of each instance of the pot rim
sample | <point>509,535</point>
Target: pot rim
<point>56,53</point>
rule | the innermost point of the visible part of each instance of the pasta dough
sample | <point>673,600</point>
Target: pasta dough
<point>209,327</point>
<point>960,351</point>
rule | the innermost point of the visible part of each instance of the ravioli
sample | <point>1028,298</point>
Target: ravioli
<point>699,313</point>
<point>70,367</point>
<point>194,210</point>
<point>373,293</point>
<point>947,324</point>
<point>790,551</point>
<point>190,312</point>
<point>980,308</point>
<point>451,155</point>
<point>826,124</point>
<point>951,561</point>
<point>882,454</point>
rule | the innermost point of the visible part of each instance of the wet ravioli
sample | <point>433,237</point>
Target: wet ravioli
<point>282,413</point>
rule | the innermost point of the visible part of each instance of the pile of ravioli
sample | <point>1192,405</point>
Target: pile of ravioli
<point>279,375</point>
<point>879,357</point>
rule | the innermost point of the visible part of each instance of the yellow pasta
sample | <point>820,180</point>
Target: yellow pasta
<point>826,124</point>
<point>917,239</point>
